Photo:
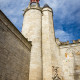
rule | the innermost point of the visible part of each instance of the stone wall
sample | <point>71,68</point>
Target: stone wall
<point>70,61</point>
<point>14,52</point>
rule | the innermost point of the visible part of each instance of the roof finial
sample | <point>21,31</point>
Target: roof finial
<point>34,1</point>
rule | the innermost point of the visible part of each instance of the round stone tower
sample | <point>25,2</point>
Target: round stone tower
<point>47,31</point>
<point>32,30</point>
<point>49,46</point>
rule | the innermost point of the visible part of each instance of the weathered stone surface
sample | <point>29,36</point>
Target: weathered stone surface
<point>71,62</point>
<point>32,30</point>
<point>14,52</point>
<point>47,41</point>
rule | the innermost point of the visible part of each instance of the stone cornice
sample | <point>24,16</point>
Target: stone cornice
<point>67,44</point>
<point>36,8</point>
<point>14,30</point>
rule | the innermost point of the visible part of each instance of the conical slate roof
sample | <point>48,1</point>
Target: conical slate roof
<point>46,5</point>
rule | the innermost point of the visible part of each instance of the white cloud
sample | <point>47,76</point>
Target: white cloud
<point>62,35</point>
<point>62,9</point>
<point>13,10</point>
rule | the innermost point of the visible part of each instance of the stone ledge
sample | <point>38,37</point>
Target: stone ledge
<point>66,43</point>
<point>36,7</point>
<point>14,30</point>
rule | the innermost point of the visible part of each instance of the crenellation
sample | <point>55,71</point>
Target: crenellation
<point>79,40</point>
<point>32,7</point>
<point>57,41</point>
<point>67,43</point>
<point>76,41</point>
<point>61,43</point>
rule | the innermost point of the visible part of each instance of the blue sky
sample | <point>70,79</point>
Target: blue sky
<point>66,16</point>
